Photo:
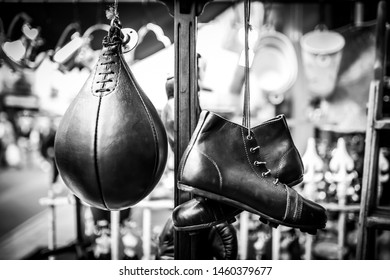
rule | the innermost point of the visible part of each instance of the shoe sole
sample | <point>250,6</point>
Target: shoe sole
<point>312,229</point>
<point>231,219</point>
<point>208,225</point>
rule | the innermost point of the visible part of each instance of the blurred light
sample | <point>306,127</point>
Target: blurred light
<point>253,35</point>
<point>15,50</point>
<point>30,33</point>
<point>251,55</point>
<point>270,81</point>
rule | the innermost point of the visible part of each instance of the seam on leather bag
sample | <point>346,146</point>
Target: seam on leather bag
<point>95,153</point>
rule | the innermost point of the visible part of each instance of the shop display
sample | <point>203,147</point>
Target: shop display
<point>111,146</point>
<point>233,173</point>
<point>321,55</point>
<point>275,64</point>
<point>141,126</point>
<point>21,53</point>
<point>276,148</point>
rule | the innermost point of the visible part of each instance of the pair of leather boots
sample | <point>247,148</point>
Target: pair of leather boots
<point>231,170</point>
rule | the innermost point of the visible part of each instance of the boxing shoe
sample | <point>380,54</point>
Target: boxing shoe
<point>282,158</point>
<point>223,162</point>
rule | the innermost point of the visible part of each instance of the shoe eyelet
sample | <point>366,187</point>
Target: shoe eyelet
<point>276,181</point>
<point>253,149</point>
<point>249,137</point>
<point>258,163</point>
<point>264,174</point>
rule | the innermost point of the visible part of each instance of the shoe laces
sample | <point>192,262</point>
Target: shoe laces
<point>261,163</point>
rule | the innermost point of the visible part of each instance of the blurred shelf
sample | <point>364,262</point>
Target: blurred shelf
<point>341,208</point>
<point>379,218</point>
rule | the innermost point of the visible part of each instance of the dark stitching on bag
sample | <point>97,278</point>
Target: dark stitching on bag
<point>95,154</point>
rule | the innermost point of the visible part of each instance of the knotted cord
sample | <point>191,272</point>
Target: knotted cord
<point>114,34</point>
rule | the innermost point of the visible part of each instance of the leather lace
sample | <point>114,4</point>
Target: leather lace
<point>108,54</point>
<point>246,122</point>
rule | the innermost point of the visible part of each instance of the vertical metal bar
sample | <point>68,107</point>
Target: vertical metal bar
<point>366,237</point>
<point>146,232</point>
<point>52,222</point>
<point>341,230</point>
<point>276,236</point>
<point>115,220</point>
<point>358,13</point>
<point>185,101</point>
<point>244,229</point>
<point>308,247</point>
<point>79,225</point>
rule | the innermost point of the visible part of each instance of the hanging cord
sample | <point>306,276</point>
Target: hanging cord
<point>114,34</point>
<point>268,16</point>
<point>246,110</point>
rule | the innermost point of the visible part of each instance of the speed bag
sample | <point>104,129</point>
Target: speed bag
<point>111,145</point>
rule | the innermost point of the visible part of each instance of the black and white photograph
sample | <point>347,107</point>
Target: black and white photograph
<point>238,132</point>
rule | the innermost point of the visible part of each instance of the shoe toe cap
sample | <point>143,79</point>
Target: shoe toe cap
<point>191,213</point>
<point>313,214</point>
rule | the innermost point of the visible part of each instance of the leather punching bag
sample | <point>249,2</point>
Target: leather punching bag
<point>111,146</point>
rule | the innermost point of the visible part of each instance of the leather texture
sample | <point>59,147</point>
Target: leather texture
<point>223,241</point>
<point>223,163</point>
<point>277,149</point>
<point>221,244</point>
<point>166,246</point>
<point>111,146</point>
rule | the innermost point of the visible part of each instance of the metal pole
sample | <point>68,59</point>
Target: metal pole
<point>115,236</point>
<point>52,222</point>
<point>276,236</point>
<point>186,105</point>
<point>146,232</point>
<point>244,228</point>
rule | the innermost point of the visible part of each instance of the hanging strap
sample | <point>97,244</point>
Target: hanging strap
<point>114,34</point>
<point>246,110</point>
